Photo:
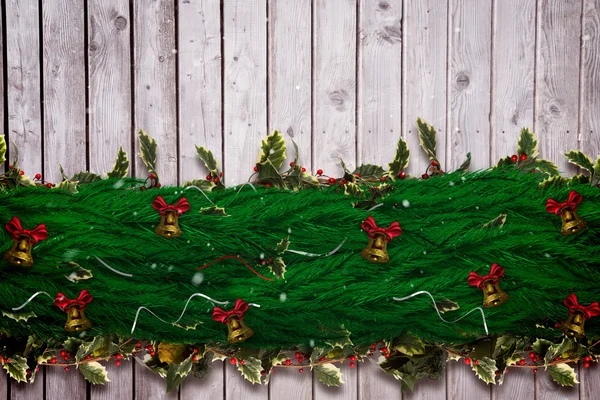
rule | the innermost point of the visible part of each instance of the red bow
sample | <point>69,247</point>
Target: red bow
<point>162,207</point>
<point>15,229</point>
<point>552,206</point>
<point>496,272</point>
<point>369,226</point>
<point>588,311</point>
<point>64,304</point>
<point>240,308</point>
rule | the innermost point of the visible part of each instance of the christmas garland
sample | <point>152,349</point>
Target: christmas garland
<point>497,267</point>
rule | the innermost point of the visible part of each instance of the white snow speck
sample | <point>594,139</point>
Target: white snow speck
<point>442,222</point>
<point>282,297</point>
<point>83,334</point>
<point>297,87</point>
<point>406,203</point>
<point>118,184</point>
<point>153,266</point>
<point>207,244</point>
<point>463,178</point>
<point>421,271</point>
<point>412,285</point>
<point>547,255</point>
<point>424,252</point>
<point>477,207</point>
<point>262,256</point>
<point>135,213</point>
<point>197,278</point>
<point>289,230</point>
<point>451,183</point>
<point>311,343</point>
<point>174,51</point>
<point>271,151</point>
<point>170,268</point>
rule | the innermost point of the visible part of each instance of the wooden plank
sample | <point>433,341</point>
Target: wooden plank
<point>64,88</point>
<point>208,388</point>
<point>149,385</point>
<point>290,75</point>
<point>379,80</point>
<point>425,76</point>
<point>590,382</point>
<point>462,383</point>
<point>121,382</point>
<point>23,78</point>
<point>346,391</point>
<point>288,383</point>
<point>547,389</point>
<point>374,384</point>
<point>519,384</point>
<point>4,384</point>
<point>334,84</point>
<point>427,389</point>
<point>199,33</point>
<point>155,58</point>
<point>245,95</point>
<point>237,388</point>
<point>62,384</point>
<point>26,391</point>
<point>590,79</point>
<point>469,83</point>
<point>557,79</point>
<point>109,82</point>
<point>513,74</point>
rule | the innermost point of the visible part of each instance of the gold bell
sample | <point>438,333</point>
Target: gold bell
<point>376,250</point>
<point>571,223</point>
<point>493,295</point>
<point>19,253</point>
<point>238,331</point>
<point>76,320</point>
<point>169,225</point>
<point>573,327</point>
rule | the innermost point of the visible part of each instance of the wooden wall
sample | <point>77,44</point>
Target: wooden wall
<point>343,78</point>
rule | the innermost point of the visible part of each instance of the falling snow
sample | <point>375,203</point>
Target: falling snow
<point>197,278</point>
<point>311,343</point>
<point>282,297</point>
<point>262,256</point>
<point>547,255</point>
<point>118,184</point>
<point>153,266</point>
<point>406,203</point>
<point>289,230</point>
<point>451,183</point>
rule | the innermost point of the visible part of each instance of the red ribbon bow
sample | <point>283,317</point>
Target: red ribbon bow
<point>496,272</point>
<point>161,206</point>
<point>240,308</point>
<point>15,229</point>
<point>81,301</point>
<point>369,226</point>
<point>552,206</point>
<point>588,311</point>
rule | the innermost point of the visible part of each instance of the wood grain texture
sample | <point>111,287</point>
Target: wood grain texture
<point>379,80</point>
<point>557,79</point>
<point>64,88</point>
<point>513,74</point>
<point>155,59</point>
<point>425,25</point>
<point>547,389</point>
<point>469,83</point>
<point>462,383</point>
<point>374,384</point>
<point>590,79</point>
<point>334,84</point>
<point>121,382</point>
<point>288,383</point>
<point>109,82</point>
<point>427,389</point>
<point>62,385</point>
<point>26,391</point>
<point>290,62</point>
<point>23,78</point>
<point>4,382</point>
<point>590,382</point>
<point>239,389</point>
<point>199,83</point>
<point>207,388</point>
<point>347,391</point>
<point>245,94</point>
<point>150,386</point>
<point>519,384</point>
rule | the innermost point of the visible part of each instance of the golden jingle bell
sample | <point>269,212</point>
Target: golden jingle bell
<point>571,223</point>
<point>238,331</point>
<point>574,326</point>
<point>19,253</point>
<point>76,320</point>
<point>493,295</point>
<point>376,250</point>
<point>169,225</point>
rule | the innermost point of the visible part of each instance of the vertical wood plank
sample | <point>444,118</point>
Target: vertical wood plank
<point>425,45</point>
<point>62,384</point>
<point>462,383</point>
<point>155,59</point>
<point>547,389</point>
<point>239,389</point>
<point>379,80</point>
<point>334,84</point>
<point>513,72</point>
<point>288,383</point>
<point>26,391</point>
<point>109,82</point>
<point>346,391</point>
<point>374,384</point>
<point>590,382</point>
<point>245,94</point>
<point>208,388</point>
<point>519,384</point>
<point>590,79</point>
<point>64,88</point>
<point>290,62</point>
<point>23,78</point>
<point>427,389</point>
<point>469,82</point>
<point>557,79</point>
<point>121,382</point>
<point>199,33</point>
<point>149,385</point>
<point>4,382</point>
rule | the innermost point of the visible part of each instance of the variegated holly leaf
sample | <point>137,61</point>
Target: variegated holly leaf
<point>67,185</point>
<point>557,349</point>
<point>446,305</point>
<point>541,346</point>
<point>17,368</point>
<point>94,372</point>
<point>409,345</point>
<point>79,274</point>
<point>250,369</point>
<point>563,374</point>
<point>342,341</point>
<point>485,369</point>
<point>283,245</point>
<point>329,374</point>
<point>2,149</point>
<point>581,179</point>
<point>505,162</point>
<point>352,189</point>
<point>497,222</point>
<point>188,327</point>
<point>527,144</point>
<point>553,181</point>
<point>277,267</point>
<point>201,184</point>
<point>581,160</point>
<point>209,160</point>
<point>214,210</point>
<point>272,150</point>
<point>121,165</point>
<point>269,174</point>
<point>86,177</point>
<point>171,353</point>
<point>177,372</point>
<point>24,180</point>
<point>427,139</point>
<point>401,158</point>
<point>597,169</point>
<point>545,166</point>
<point>148,148</point>
<point>367,171</point>
<point>72,345</point>
<point>19,316</point>
<point>466,164</point>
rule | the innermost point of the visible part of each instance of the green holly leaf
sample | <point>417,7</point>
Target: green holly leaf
<point>214,210</point>
<point>251,369</point>
<point>545,166</point>
<point>209,160</point>
<point>67,185</point>
<point>466,164</point>
<point>342,341</point>
<point>497,222</point>
<point>201,184</point>
<point>541,346</point>
<point>79,274</point>
<point>352,189</point>
<point>401,158</point>
<point>86,177</point>
<point>580,179</point>
<point>453,356</point>
<point>22,316</point>
<point>580,159</point>
<point>283,245</point>
<point>24,180</point>
<point>563,374</point>
<point>277,267</point>
<point>427,139</point>
<point>316,355</point>
<point>17,368</point>
<point>121,165</point>
<point>367,171</point>
<point>72,345</point>
<point>272,151</point>
<point>267,173</point>
<point>485,369</point>
<point>597,169</point>
<point>505,162</point>
<point>527,144</point>
<point>329,374</point>
<point>177,372</point>
<point>553,181</point>
<point>94,372</point>
<point>409,345</point>
<point>559,348</point>
<point>2,149</point>
<point>148,148</point>
<point>446,305</point>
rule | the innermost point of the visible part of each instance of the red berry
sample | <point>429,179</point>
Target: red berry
<point>10,166</point>
<point>587,358</point>
<point>37,369</point>
<point>556,325</point>
<point>119,356</point>
<point>535,370</point>
<point>38,177</point>
<point>425,176</point>
<point>216,180</point>
<point>300,359</point>
<point>195,350</point>
<point>373,346</point>
<point>66,369</point>
<point>65,358</point>
<point>514,158</point>
<point>242,362</point>
<point>387,355</point>
<point>343,182</point>
<point>288,362</point>
<point>158,185</point>
<point>476,362</point>
<point>152,353</point>
<point>62,353</point>
<point>523,157</point>
<point>467,361</point>
<point>208,177</point>
<point>383,178</point>
<point>522,362</point>
<point>292,164</point>
<point>301,370</point>
<point>297,354</point>
<point>352,364</point>
<point>53,360</point>
<point>255,168</point>
<point>556,358</point>
<point>141,188</point>
<point>152,176</point>
<point>263,372</point>
<point>402,175</point>
<point>332,180</point>
<point>319,172</point>
<point>28,371</point>
<point>322,359</point>
<point>1,359</point>
<point>268,185</point>
<point>586,364</point>
<point>384,349</point>
<point>232,360</point>
<point>531,355</point>
<point>497,373</point>
<point>138,345</point>
<point>534,359</point>
<point>8,360</point>
<point>358,175</point>
<point>220,174</point>
<point>433,163</point>
<point>22,173</point>
<point>118,363</point>
<point>303,169</point>
<point>353,357</point>
<point>194,358</point>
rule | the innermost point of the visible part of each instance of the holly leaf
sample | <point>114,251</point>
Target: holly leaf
<point>446,305</point>
<point>94,373</point>
<point>597,169</point>
<point>72,344</point>
<point>214,210</point>
<point>177,372</point>
<point>121,165</point>
<point>580,159</point>
<point>23,316</point>
<point>527,144</point>
<point>148,148</point>
<point>272,150</point>
<point>401,158</point>
<point>86,177</point>
<point>558,348</point>
<point>541,346</point>
<point>485,369</point>
<point>201,184</point>
<point>580,179</point>
<point>17,368</point>
<point>505,162</point>
<point>79,274</point>
<point>497,222</point>
<point>427,139</point>
<point>209,161</point>
<point>352,189</point>
<point>553,181</point>
<point>545,166</point>
<point>563,374</point>
<point>466,164</point>
<point>67,185</point>
<point>283,245</point>
<point>2,149</point>
<point>369,171</point>
<point>188,327</point>
<point>409,345</point>
<point>277,267</point>
<point>342,341</point>
<point>250,369</point>
<point>267,173</point>
<point>329,374</point>
<point>24,180</point>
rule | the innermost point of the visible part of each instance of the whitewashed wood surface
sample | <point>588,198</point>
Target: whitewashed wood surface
<point>342,78</point>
